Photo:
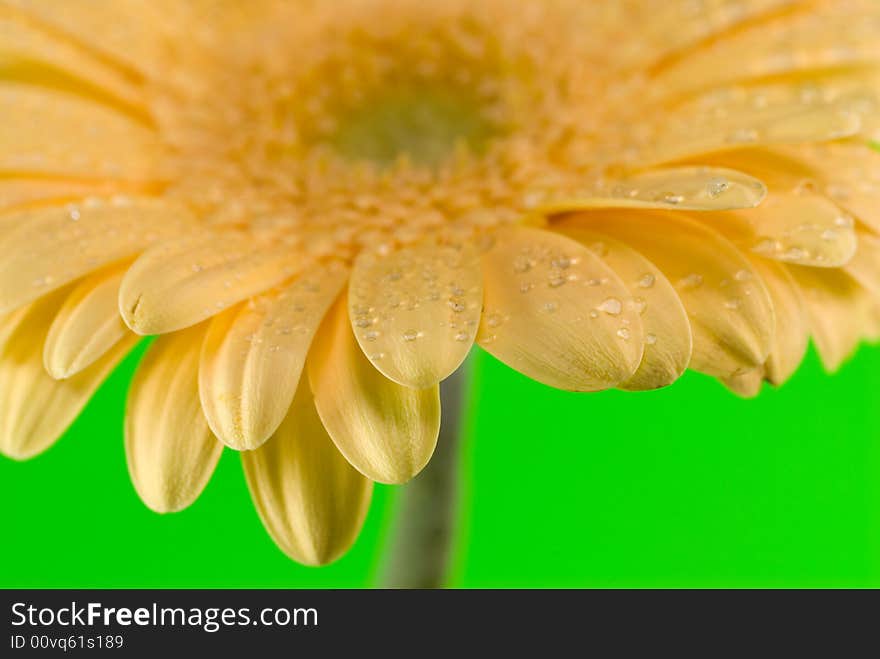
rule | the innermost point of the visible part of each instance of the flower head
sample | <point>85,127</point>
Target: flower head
<point>319,208</point>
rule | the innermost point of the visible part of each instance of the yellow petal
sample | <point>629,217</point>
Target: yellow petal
<point>310,499</point>
<point>678,30</point>
<point>865,265</point>
<point>45,248</point>
<point>385,430</point>
<point>53,133</point>
<point>792,325</point>
<point>15,192</point>
<point>668,340</point>
<point>685,188</point>
<point>170,450</point>
<point>823,37</point>
<point>86,327</point>
<point>556,313</point>
<point>182,282</point>
<point>35,409</point>
<point>806,229</point>
<point>253,357</point>
<point>849,173</point>
<point>693,131</point>
<point>31,53</point>
<point>729,307</point>
<point>415,312</point>
<point>840,312</point>
<point>129,33</point>
<point>747,385</point>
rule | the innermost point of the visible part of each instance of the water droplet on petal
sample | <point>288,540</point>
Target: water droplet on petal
<point>612,306</point>
<point>647,280</point>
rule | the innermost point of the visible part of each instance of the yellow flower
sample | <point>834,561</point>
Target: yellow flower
<point>320,206</point>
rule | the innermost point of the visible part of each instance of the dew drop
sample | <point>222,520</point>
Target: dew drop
<point>733,303</point>
<point>647,280</point>
<point>743,275</point>
<point>371,336</point>
<point>674,199</point>
<point>456,306</point>
<point>411,335</point>
<point>639,305</point>
<point>73,213</point>
<point>717,186</point>
<point>462,336</point>
<point>550,307</point>
<point>494,320</point>
<point>612,306</point>
<point>624,333</point>
<point>651,339</point>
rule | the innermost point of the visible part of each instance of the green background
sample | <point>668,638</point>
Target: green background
<point>689,486</point>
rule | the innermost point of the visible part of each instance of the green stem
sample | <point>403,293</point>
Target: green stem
<point>424,529</point>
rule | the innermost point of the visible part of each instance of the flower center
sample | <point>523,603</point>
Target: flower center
<point>422,123</point>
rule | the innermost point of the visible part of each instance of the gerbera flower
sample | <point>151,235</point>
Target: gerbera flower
<point>319,207</point>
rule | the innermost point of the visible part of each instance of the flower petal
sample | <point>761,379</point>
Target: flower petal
<point>865,265</point>
<point>35,409</point>
<point>792,332</point>
<point>806,229</point>
<point>16,192</point>
<point>385,430</point>
<point>84,238</point>
<point>130,33</point>
<point>668,340</point>
<point>50,132</point>
<point>253,357</point>
<point>685,188</point>
<point>32,54</point>
<point>182,282</point>
<point>170,450</point>
<point>729,307</point>
<point>311,500</point>
<point>692,131</point>
<point>841,312</point>
<point>415,312</point>
<point>823,37</point>
<point>747,385</point>
<point>86,327</point>
<point>556,313</point>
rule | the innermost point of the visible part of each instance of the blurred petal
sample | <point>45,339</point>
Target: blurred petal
<point>556,313</point>
<point>821,37</point>
<point>692,131</point>
<point>170,450</point>
<point>865,265</point>
<point>840,312</point>
<point>253,357</point>
<point>35,409</point>
<point>730,309</point>
<point>128,32</point>
<point>26,191</point>
<point>310,499</point>
<point>685,188</point>
<point>50,132</point>
<point>792,325</point>
<point>84,238</point>
<point>182,282</point>
<point>385,430</point>
<point>31,53</point>
<point>805,229</point>
<point>668,340</point>
<point>747,385</point>
<point>86,327</point>
<point>415,312</point>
